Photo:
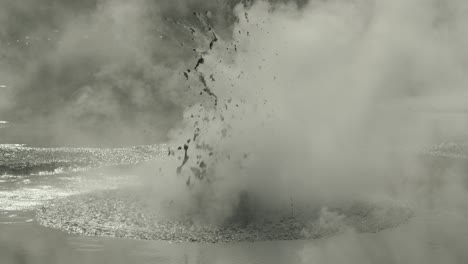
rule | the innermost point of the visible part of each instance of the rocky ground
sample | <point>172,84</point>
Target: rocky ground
<point>22,160</point>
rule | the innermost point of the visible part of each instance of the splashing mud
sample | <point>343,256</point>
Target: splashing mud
<point>291,110</point>
<point>309,108</point>
<point>311,105</point>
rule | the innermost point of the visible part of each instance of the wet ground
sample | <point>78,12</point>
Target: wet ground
<point>24,241</point>
<point>423,240</point>
<point>31,176</point>
<point>28,243</point>
<point>17,159</point>
<point>130,213</point>
<point>433,238</point>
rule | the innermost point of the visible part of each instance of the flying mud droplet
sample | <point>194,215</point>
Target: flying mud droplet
<point>199,62</point>
<point>186,158</point>
<point>207,89</point>
<point>215,39</point>
<point>196,134</point>
<point>170,152</point>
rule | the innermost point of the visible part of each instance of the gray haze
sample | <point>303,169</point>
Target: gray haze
<point>318,103</point>
<point>99,72</point>
<point>329,103</point>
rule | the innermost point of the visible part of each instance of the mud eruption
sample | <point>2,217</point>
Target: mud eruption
<point>314,106</point>
<point>316,111</point>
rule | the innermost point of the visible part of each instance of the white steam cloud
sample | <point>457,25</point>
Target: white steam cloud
<point>98,72</point>
<point>314,104</point>
<point>329,103</point>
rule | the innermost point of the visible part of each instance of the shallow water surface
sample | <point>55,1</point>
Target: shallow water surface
<point>423,240</point>
<point>435,237</point>
<point>26,242</point>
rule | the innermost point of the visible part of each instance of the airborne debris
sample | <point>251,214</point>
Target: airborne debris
<point>170,152</point>
<point>215,39</point>
<point>196,134</point>
<point>186,158</point>
<point>199,62</point>
<point>207,89</point>
<point>197,172</point>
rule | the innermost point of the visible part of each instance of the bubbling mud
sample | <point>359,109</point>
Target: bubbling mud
<point>296,112</point>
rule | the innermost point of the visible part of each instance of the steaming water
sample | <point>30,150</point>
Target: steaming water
<point>28,243</point>
<point>303,100</point>
<point>30,176</point>
<point>24,241</point>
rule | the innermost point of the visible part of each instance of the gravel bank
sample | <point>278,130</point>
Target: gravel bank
<point>125,214</point>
